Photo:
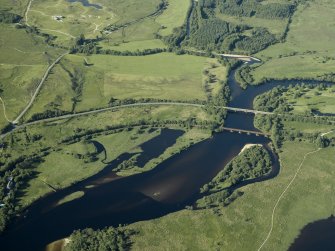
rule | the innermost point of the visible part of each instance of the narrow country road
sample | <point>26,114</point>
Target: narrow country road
<point>26,13</point>
<point>282,195</point>
<point>15,121</point>
<point>72,115</point>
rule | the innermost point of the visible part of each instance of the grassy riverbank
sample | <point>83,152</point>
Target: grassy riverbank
<point>244,224</point>
<point>79,159</point>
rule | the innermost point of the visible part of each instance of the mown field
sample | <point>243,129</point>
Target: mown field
<point>244,224</point>
<point>160,76</point>
<point>306,53</point>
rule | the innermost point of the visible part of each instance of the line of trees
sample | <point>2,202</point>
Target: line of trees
<point>250,8</point>
<point>107,239</point>
<point>14,175</point>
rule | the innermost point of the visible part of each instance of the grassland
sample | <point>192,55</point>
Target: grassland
<point>71,169</point>
<point>17,8</point>
<point>75,161</point>
<point>23,61</point>
<point>88,20</point>
<point>306,51</point>
<point>162,76</point>
<point>312,99</point>
<point>132,46</point>
<point>243,225</point>
<point>174,16</point>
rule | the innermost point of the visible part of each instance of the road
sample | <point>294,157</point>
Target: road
<point>26,13</point>
<point>72,115</point>
<point>15,121</point>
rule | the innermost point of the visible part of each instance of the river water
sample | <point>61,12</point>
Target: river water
<point>319,235</point>
<point>110,200</point>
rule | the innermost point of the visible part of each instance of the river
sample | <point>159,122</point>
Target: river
<point>110,200</point>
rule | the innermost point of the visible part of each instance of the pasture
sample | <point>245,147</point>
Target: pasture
<point>23,60</point>
<point>306,53</point>
<point>159,76</point>
<point>244,224</point>
<point>74,18</point>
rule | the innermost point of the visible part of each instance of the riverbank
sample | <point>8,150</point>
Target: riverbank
<point>250,214</point>
<point>247,146</point>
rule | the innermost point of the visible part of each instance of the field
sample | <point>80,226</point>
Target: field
<point>23,61</point>
<point>133,46</point>
<point>71,169</point>
<point>76,163</point>
<point>244,224</point>
<point>160,76</point>
<point>313,99</point>
<point>77,19</point>
<point>306,51</point>
<point>174,16</point>
<point>276,27</point>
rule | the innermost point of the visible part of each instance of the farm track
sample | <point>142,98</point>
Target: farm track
<point>45,76</point>
<point>282,195</point>
<point>26,12</point>
<point>4,110</point>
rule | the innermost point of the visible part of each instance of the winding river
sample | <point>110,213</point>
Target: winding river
<point>112,200</point>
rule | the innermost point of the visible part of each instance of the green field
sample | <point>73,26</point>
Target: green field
<point>174,16</point>
<point>306,53</point>
<point>160,76</point>
<point>133,46</point>
<point>244,224</point>
<point>72,169</point>
<point>89,20</point>
<point>23,61</point>
<point>312,99</point>
<point>75,161</point>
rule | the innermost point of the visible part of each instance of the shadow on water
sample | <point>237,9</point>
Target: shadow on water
<point>318,235</point>
<point>86,3</point>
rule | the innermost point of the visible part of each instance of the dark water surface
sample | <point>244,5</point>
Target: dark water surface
<point>319,235</point>
<point>110,200</point>
<point>86,3</point>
